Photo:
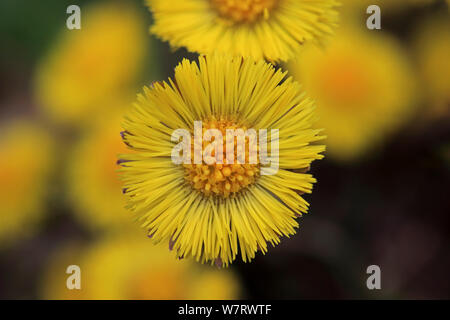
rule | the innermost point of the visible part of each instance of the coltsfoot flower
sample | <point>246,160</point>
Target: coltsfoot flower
<point>213,211</point>
<point>364,87</point>
<point>88,69</point>
<point>263,29</point>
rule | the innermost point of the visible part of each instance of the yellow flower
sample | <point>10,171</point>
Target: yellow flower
<point>432,48</point>
<point>363,86</point>
<point>26,157</point>
<point>271,29</point>
<point>88,67</point>
<point>209,212</point>
<point>132,268</point>
<point>94,188</point>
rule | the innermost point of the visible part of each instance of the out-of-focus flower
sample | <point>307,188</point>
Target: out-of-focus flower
<point>269,29</point>
<point>212,212</point>
<point>364,88</point>
<point>133,268</point>
<point>432,48</point>
<point>26,160</point>
<point>94,187</point>
<point>386,6</point>
<point>87,68</point>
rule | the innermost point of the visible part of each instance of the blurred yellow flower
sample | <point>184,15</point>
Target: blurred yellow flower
<point>432,48</point>
<point>263,29</point>
<point>386,6</point>
<point>133,268</point>
<point>26,159</point>
<point>87,68</point>
<point>94,188</point>
<point>213,212</point>
<point>363,86</point>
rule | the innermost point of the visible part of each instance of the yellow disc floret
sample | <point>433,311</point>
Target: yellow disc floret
<point>225,178</point>
<point>243,10</point>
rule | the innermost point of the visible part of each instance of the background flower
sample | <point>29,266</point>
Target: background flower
<point>263,29</point>
<point>364,86</point>
<point>386,6</point>
<point>26,162</point>
<point>133,268</point>
<point>87,68</point>
<point>94,187</point>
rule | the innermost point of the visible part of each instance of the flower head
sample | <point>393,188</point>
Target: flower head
<point>88,67</point>
<point>364,88</point>
<point>212,210</point>
<point>263,29</point>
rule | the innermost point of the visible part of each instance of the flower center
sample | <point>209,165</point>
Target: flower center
<point>344,82</point>
<point>243,10</point>
<point>227,178</point>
